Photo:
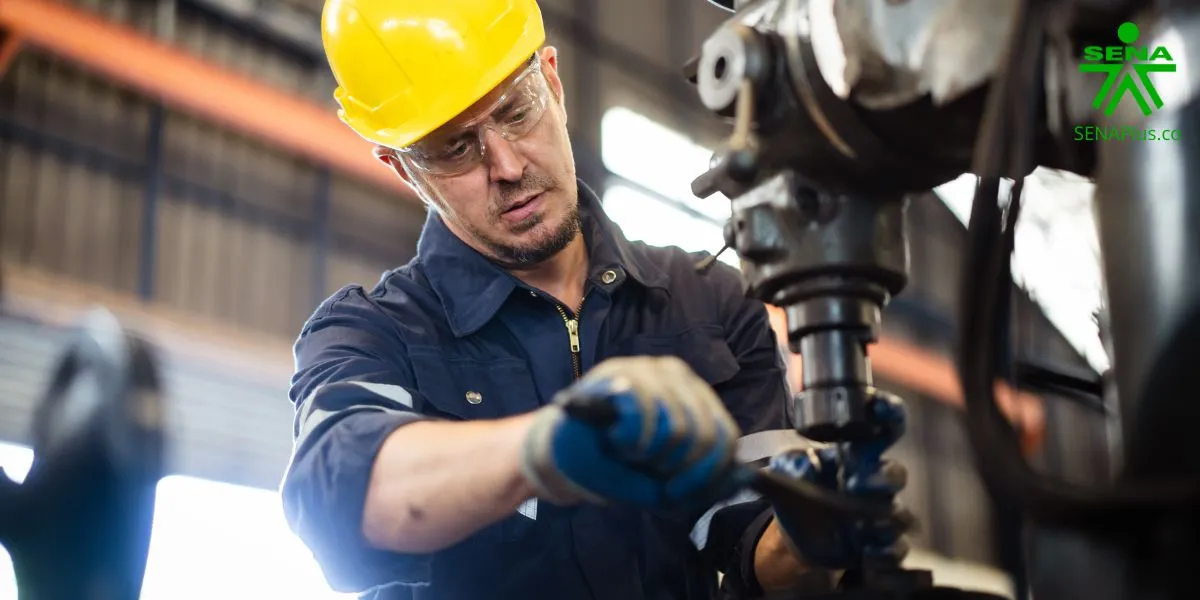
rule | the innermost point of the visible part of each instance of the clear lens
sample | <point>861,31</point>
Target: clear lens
<point>450,151</point>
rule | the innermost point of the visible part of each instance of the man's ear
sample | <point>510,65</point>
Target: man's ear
<point>549,57</point>
<point>388,157</point>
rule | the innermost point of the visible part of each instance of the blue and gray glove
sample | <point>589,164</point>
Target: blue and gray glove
<point>858,470</point>
<point>666,440</point>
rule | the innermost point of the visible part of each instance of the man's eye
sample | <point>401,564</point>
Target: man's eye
<point>456,150</point>
<point>517,116</point>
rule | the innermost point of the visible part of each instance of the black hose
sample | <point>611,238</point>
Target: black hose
<point>1007,517</point>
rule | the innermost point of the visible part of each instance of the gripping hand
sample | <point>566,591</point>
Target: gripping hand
<point>857,470</point>
<point>663,438</point>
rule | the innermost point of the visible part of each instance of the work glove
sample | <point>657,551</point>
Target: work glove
<point>643,431</point>
<point>844,543</point>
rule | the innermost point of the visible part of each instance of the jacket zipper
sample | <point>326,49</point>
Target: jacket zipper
<point>573,333</point>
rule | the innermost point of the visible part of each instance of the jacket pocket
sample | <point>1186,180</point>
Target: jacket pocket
<point>475,389</point>
<point>704,349</point>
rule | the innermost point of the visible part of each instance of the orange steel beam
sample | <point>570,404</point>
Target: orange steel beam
<point>193,85</point>
<point>10,45</point>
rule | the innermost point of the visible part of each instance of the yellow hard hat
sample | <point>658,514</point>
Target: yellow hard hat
<point>406,67</point>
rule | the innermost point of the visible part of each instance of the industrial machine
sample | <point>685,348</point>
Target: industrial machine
<point>78,527</point>
<point>839,111</point>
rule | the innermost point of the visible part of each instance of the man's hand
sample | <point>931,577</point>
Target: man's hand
<point>669,440</point>
<point>860,471</point>
<point>776,566</point>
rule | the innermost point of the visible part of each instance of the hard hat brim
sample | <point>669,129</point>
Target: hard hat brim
<point>448,106</point>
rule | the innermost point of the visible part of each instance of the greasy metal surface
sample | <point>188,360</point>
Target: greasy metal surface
<point>1148,213</point>
<point>890,53</point>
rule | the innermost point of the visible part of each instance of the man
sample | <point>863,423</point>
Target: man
<point>431,458</point>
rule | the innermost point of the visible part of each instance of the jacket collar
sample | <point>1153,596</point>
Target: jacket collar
<point>472,289</point>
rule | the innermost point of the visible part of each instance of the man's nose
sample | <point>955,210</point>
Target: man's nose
<point>505,163</point>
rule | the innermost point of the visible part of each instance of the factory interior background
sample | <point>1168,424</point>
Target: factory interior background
<point>179,162</point>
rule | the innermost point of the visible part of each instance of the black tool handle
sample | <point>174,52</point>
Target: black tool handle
<point>591,409</point>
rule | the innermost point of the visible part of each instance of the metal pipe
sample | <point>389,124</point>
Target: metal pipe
<point>151,194</point>
<point>321,236</point>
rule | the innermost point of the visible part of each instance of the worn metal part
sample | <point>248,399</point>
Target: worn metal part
<point>887,53</point>
<point>865,102</point>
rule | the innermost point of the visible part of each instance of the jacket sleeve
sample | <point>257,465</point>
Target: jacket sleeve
<point>758,398</point>
<point>353,387</point>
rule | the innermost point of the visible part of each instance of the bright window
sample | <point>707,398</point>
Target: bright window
<point>210,540</point>
<point>1057,255</point>
<point>646,218</point>
<point>663,162</point>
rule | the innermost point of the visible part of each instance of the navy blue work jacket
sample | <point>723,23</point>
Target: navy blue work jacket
<point>452,336</point>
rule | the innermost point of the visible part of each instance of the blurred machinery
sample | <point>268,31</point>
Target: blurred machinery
<point>78,527</point>
<point>841,109</point>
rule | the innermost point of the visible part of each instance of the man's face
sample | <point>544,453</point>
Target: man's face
<point>506,187</point>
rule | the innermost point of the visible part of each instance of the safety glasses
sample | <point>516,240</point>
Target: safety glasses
<point>457,148</point>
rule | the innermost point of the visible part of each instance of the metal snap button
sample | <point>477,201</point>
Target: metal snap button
<point>609,276</point>
<point>474,397</point>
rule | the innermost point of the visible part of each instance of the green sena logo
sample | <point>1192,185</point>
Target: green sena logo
<point>1112,61</point>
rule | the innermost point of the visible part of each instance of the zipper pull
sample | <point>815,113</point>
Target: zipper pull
<point>573,332</point>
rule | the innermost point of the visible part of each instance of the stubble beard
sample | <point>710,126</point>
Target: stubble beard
<point>538,250</point>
